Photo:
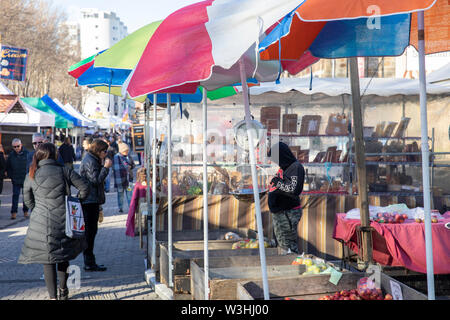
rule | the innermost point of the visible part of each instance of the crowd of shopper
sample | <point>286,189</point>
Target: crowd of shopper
<point>44,176</point>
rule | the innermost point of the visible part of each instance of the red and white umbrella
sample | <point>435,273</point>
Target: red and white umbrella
<point>203,39</point>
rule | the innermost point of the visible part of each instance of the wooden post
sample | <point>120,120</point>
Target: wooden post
<point>363,203</point>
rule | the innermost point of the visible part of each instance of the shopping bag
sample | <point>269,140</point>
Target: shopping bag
<point>75,226</point>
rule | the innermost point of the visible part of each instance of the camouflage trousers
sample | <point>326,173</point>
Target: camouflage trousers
<point>285,228</point>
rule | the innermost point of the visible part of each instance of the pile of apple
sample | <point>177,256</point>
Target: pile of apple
<point>388,217</point>
<point>357,295</point>
<point>433,220</point>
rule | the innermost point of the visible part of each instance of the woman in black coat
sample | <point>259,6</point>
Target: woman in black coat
<point>95,173</point>
<point>45,189</point>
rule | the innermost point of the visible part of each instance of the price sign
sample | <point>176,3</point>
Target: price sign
<point>396,291</point>
<point>138,138</point>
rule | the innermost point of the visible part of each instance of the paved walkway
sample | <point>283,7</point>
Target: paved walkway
<point>124,279</point>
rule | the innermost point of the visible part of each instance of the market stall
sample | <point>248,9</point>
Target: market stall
<point>145,80</point>
<point>396,243</point>
<point>20,120</point>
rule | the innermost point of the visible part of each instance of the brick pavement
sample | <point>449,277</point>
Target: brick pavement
<point>124,279</point>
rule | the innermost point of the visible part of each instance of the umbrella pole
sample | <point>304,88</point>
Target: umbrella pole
<point>205,192</point>
<point>259,223</point>
<point>363,202</point>
<point>425,157</point>
<point>154,184</point>
<point>147,165</point>
<point>169,189</point>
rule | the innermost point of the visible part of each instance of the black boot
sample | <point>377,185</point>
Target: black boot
<point>95,267</point>
<point>63,294</point>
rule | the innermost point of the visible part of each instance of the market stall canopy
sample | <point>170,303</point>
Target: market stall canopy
<point>92,122</point>
<point>37,103</point>
<point>440,76</point>
<point>339,86</point>
<point>10,103</point>
<point>56,108</point>
<point>71,110</point>
<point>15,112</point>
<point>4,89</point>
<point>41,118</point>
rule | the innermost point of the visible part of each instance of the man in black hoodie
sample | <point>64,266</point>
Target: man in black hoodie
<point>284,196</point>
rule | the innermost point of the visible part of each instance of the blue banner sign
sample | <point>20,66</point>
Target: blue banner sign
<point>13,63</point>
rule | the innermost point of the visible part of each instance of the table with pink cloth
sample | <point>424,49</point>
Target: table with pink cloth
<point>400,244</point>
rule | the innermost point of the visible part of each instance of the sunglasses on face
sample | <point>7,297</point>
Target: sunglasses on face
<point>37,143</point>
<point>16,147</point>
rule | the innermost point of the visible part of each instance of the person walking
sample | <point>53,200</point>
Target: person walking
<point>16,168</point>
<point>46,243</point>
<point>95,173</point>
<point>2,168</point>
<point>67,153</point>
<point>86,143</point>
<point>37,139</point>
<point>123,167</point>
<point>284,196</point>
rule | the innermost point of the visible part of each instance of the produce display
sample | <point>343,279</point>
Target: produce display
<point>388,217</point>
<point>355,295</point>
<point>433,220</point>
<point>248,244</point>
<point>313,266</point>
<point>366,290</point>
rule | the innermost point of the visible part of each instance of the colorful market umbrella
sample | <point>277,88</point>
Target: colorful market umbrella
<point>79,68</point>
<point>108,70</point>
<point>369,28</point>
<point>205,39</point>
<point>342,29</point>
<point>126,53</point>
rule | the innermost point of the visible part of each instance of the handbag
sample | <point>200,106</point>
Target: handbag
<point>75,224</point>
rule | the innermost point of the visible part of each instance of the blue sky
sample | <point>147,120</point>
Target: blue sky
<point>134,13</point>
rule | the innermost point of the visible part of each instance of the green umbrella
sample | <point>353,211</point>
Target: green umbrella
<point>37,103</point>
<point>220,93</point>
<point>126,53</point>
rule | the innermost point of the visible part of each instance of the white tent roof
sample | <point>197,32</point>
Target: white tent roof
<point>440,76</point>
<point>339,86</point>
<point>4,89</point>
<point>33,117</point>
<point>71,110</point>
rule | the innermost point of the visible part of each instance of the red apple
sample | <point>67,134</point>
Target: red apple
<point>344,293</point>
<point>388,297</point>
<point>405,216</point>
